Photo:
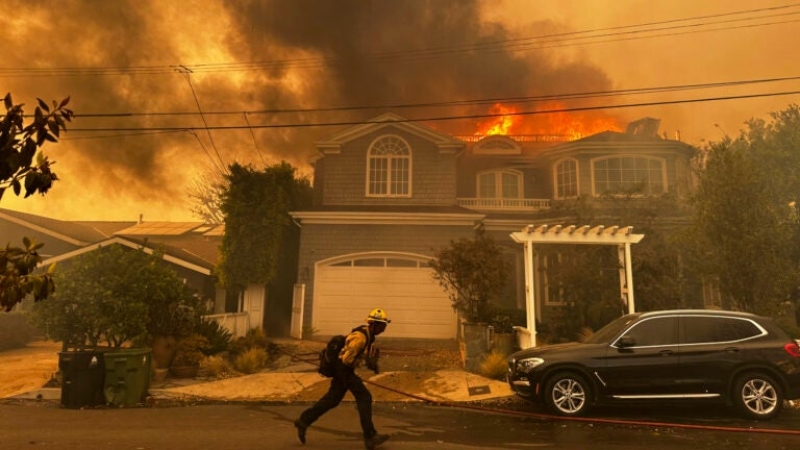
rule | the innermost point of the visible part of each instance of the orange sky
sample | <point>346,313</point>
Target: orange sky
<point>288,55</point>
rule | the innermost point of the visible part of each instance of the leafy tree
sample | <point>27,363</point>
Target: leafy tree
<point>17,279</point>
<point>747,223</point>
<point>18,148</point>
<point>118,295</point>
<point>258,228</point>
<point>473,271</point>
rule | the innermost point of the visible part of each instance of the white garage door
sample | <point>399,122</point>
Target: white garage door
<point>346,291</point>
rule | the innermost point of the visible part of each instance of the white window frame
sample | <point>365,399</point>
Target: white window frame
<point>663,173</point>
<point>389,158</point>
<point>556,186</point>
<point>498,183</point>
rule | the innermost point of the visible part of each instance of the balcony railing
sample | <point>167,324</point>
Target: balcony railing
<point>472,138</point>
<point>504,204</point>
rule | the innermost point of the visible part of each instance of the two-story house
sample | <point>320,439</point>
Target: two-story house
<point>390,193</point>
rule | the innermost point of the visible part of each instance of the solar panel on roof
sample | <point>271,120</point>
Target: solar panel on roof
<point>160,228</point>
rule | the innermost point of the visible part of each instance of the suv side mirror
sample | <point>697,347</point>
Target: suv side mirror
<point>626,341</point>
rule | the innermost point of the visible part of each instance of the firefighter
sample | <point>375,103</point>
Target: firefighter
<point>357,349</point>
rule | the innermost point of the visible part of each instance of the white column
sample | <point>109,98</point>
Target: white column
<point>629,278</point>
<point>530,291</point>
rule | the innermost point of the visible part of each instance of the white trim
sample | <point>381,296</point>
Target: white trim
<point>558,234</point>
<point>127,243</point>
<point>43,230</point>
<point>662,160</point>
<point>483,146</point>
<point>498,183</point>
<point>445,142</point>
<point>371,218</point>
<point>409,156</point>
<point>374,255</point>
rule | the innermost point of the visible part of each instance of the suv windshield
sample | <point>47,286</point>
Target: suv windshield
<point>610,331</point>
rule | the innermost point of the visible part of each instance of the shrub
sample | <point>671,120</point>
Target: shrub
<point>251,361</point>
<point>254,338</point>
<point>189,351</point>
<point>494,366</point>
<point>219,338</point>
<point>217,367</point>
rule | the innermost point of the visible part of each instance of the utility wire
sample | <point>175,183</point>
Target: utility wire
<point>447,118</point>
<point>255,142</point>
<point>183,70</point>
<point>471,102</point>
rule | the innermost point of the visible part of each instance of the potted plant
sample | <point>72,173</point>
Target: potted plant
<point>189,353</point>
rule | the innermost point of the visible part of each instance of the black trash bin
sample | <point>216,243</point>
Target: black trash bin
<point>82,378</point>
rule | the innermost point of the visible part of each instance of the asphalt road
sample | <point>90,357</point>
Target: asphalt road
<point>45,425</point>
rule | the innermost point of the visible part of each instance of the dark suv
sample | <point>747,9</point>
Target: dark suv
<point>738,358</point>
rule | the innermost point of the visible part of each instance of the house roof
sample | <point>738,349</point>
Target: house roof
<point>77,233</point>
<point>444,141</point>
<point>389,215</point>
<point>172,254</point>
<point>191,244</point>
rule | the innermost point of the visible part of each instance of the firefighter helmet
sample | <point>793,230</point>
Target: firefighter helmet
<point>377,315</point>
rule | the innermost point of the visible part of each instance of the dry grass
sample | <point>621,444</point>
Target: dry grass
<point>251,361</point>
<point>218,367</point>
<point>494,366</point>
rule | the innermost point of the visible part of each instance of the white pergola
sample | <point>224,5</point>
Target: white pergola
<point>622,237</point>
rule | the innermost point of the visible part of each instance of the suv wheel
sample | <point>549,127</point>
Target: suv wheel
<point>567,394</point>
<point>757,396</point>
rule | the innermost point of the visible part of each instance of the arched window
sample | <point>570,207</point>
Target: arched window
<point>565,178</point>
<point>638,175</point>
<point>389,167</point>
<point>500,184</point>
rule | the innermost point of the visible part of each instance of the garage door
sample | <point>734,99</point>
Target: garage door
<point>345,292</point>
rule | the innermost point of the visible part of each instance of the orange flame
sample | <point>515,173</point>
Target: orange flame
<point>570,125</point>
<point>501,124</point>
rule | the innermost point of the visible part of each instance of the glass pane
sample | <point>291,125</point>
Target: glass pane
<point>400,176</point>
<point>486,185</point>
<point>510,185</point>
<point>394,262</point>
<point>370,262</point>
<point>378,175</point>
<point>655,332</point>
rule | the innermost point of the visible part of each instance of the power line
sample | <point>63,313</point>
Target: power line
<point>221,168</point>
<point>518,44</point>
<point>445,118</point>
<point>470,102</point>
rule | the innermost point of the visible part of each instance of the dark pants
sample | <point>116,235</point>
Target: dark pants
<point>344,379</point>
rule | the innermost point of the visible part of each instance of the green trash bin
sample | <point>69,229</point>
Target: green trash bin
<point>82,375</point>
<point>127,376</point>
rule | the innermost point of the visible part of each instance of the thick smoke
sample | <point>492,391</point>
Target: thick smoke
<point>298,54</point>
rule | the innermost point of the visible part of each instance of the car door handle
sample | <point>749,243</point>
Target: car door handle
<point>732,350</point>
<point>665,353</point>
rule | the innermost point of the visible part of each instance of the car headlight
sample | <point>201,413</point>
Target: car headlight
<point>528,364</point>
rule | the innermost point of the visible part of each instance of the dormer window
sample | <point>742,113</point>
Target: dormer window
<point>500,184</point>
<point>389,167</point>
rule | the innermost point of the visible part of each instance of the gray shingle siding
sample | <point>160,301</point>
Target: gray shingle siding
<point>433,173</point>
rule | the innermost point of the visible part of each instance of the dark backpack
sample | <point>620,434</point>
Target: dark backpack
<point>329,356</point>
